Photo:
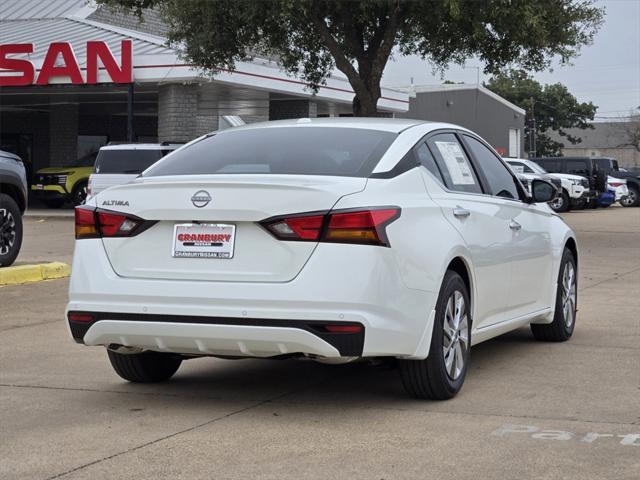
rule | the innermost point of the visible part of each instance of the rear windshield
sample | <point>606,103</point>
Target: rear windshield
<point>344,152</point>
<point>127,161</point>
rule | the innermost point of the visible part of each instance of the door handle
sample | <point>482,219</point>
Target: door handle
<point>460,212</point>
<point>513,225</point>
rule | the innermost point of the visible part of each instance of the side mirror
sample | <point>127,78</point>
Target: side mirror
<point>542,191</point>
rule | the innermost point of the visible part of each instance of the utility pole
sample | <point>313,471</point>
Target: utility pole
<point>532,130</point>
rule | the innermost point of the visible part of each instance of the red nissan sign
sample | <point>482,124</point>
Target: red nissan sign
<point>60,61</point>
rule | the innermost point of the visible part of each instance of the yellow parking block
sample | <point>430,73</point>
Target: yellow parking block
<point>33,273</point>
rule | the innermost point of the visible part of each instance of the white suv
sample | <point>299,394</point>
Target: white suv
<point>119,164</point>
<point>575,189</point>
<point>328,239</point>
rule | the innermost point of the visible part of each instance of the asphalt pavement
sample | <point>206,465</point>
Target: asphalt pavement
<point>527,410</point>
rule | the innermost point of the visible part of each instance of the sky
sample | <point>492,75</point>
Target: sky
<point>606,73</point>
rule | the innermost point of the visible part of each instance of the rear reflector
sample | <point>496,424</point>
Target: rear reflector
<point>97,223</point>
<point>81,317</point>
<point>362,226</point>
<point>343,328</point>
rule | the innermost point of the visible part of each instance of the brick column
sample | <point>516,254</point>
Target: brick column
<point>283,109</point>
<point>63,135</point>
<point>177,112</point>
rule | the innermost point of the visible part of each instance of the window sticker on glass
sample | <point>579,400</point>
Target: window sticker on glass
<point>517,168</point>
<point>457,164</point>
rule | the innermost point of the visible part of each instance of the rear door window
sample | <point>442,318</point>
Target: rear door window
<point>453,163</point>
<point>426,160</point>
<point>126,161</point>
<point>500,179</point>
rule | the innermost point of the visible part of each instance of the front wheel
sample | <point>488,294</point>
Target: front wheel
<point>561,202</point>
<point>564,318</point>
<point>440,376</point>
<point>145,367</point>
<point>79,193</point>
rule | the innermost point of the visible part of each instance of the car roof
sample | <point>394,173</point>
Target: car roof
<point>142,146</point>
<point>393,125</point>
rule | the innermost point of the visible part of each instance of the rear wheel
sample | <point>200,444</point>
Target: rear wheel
<point>632,199</point>
<point>145,367</point>
<point>564,318</point>
<point>10,230</point>
<point>440,376</point>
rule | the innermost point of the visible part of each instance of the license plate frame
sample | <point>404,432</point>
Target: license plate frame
<point>203,240</point>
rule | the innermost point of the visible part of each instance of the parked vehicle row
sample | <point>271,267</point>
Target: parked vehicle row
<point>573,189</point>
<point>586,182</point>
<point>111,165</point>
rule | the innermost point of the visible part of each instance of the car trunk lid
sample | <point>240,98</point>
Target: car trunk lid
<point>238,202</point>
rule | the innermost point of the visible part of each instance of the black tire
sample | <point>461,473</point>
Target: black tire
<point>54,202</point>
<point>560,204</point>
<point>633,199</point>
<point>145,367</point>
<point>10,230</point>
<point>79,193</point>
<point>430,378</point>
<point>560,330</point>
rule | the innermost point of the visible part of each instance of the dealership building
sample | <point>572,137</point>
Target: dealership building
<point>74,76</point>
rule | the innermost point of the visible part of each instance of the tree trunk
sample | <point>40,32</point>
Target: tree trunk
<point>367,93</point>
<point>364,107</point>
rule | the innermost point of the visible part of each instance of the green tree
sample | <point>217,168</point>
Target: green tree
<point>312,37</point>
<point>552,107</point>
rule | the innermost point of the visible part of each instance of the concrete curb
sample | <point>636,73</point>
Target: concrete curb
<point>33,273</point>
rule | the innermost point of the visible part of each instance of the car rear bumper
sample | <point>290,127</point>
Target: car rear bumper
<point>356,285</point>
<point>222,336</point>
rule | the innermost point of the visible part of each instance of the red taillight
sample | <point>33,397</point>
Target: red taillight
<point>363,226</point>
<point>305,227</point>
<point>92,223</point>
<point>86,226</point>
<point>360,226</point>
<point>615,184</point>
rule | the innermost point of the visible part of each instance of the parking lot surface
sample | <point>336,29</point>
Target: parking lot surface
<point>527,409</point>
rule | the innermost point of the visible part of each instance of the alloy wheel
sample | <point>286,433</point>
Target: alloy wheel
<point>630,199</point>
<point>7,231</point>
<point>569,294</point>
<point>557,203</point>
<point>455,342</point>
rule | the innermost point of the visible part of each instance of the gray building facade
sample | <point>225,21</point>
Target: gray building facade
<point>498,121</point>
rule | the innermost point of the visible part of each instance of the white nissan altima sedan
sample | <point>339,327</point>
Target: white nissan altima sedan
<point>330,239</point>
